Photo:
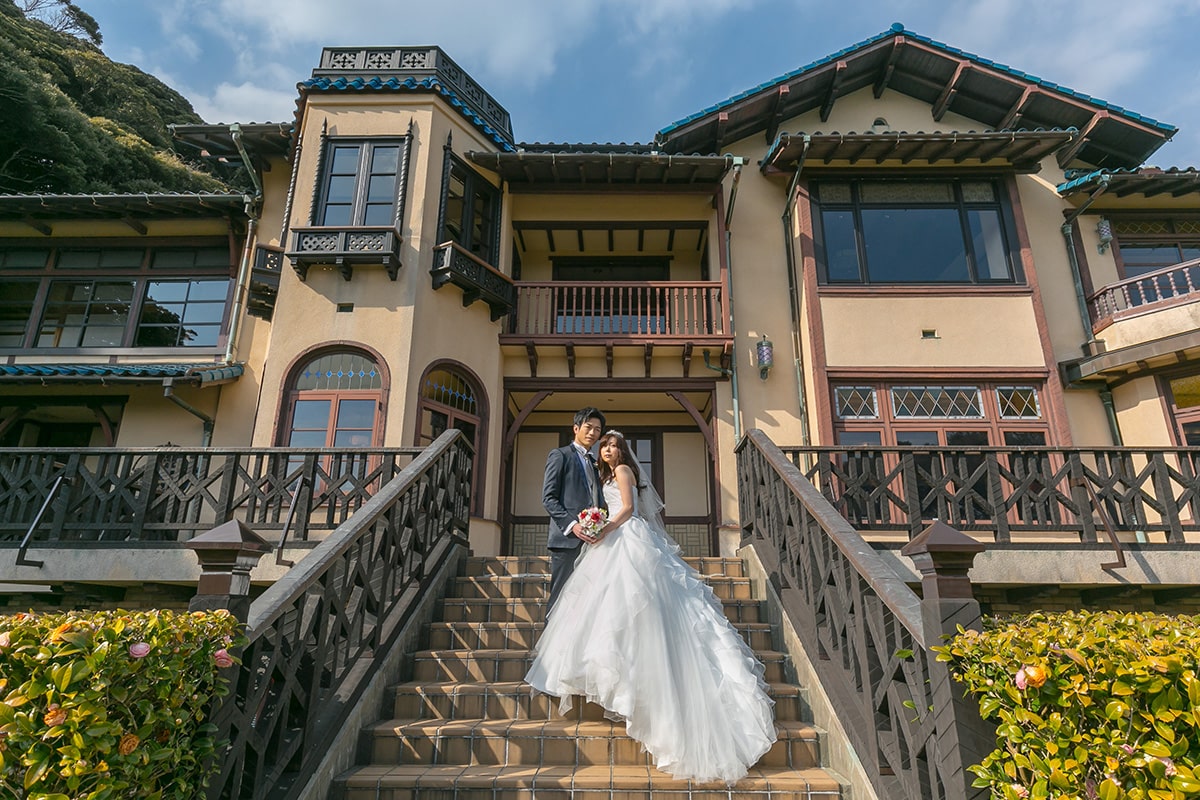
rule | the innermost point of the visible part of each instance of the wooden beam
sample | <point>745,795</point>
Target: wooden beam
<point>701,423</point>
<point>1014,113</point>
<point>1070,151</point>
<point>570,349</point>
<point>835,86</point>
<point>608,358</point>
<point>722,124</point>
<point>889,67</point>
<point>532,355</point>
<point>942,104</point>
<point>510,436</point>
<point>777,112</point>
<point>38,225</point>
<point>138,227</point>
<point>687,358</point>
<point>649,353</point>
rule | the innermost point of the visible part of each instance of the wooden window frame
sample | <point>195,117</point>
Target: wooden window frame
<point>473,184</point>
<point>856,205</point>
<point>479,419</point>
<point>361,179</point>
<point>141,274</point>
<point>1174,238</point>
<point>289,395</point>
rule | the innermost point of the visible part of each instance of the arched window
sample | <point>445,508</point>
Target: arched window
<point>335,399</point>
<point>452,397</point>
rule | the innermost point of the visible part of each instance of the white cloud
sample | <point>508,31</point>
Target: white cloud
<point>244,102</point>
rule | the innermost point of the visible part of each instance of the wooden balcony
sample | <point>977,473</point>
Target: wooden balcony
<point>452,263</point>
<point>1170,286</point>
<point>675,316</point>
<point>345,248</point>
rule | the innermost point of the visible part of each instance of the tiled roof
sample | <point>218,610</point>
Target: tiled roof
<point>1144,180</point>
<point>196,373</point>
<point>412,85</point>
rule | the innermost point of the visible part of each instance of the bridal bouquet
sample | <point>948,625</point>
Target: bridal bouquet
<point>592,520</point>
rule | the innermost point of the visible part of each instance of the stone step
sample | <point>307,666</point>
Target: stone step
<point>536,586</point>
<point>512,566</point>
<point>524,635</point>
<point>547,743</point>
<point>387,782</point>
<point>516,700</point>
<point>503,666</point>
<point>459,609</point>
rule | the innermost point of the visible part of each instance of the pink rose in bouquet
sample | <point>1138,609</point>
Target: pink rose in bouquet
<point>592,520</point>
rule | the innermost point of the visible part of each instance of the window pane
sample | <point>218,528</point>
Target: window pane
<point>1191,252</point>
<point>356,414</point>
<point>455,199</point>
<point>341,189</point>
<point>1191,433</point>
<point>385,160</point>
<point>102,336</point>
<point>336,216</point>
<point>381,189</point>
<point>167,291</point>
<point>1163,255</point>
<point>966,438</point>
<point>208,290</point>
<point>936,401</point>
<point>311,414</point>
<point>841,250</point>
<point>987,240</point>
<point>378,214</point>
<point>834,192</point>
<point>344,160</point>
<point>917,438</point>
<point>121,258</point>
<point>174,259</point>
<point>203,312</point>
<point>340,371</point>
<point>855,401</point>
<point>906,192</point>
<point>16,307</point>
<point>852,438</point>
<point>1018,402</point>
<point>79,259</point>
<point>307,438</point>
<point>24,259</point>
<point>1024,438</point>
<point>978,192</point>
<point>352,439</point>
<point>914,245</point>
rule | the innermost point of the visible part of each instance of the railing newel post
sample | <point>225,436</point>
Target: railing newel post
<point>944,557</point>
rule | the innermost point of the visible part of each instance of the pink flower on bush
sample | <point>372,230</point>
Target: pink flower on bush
<point>1019,680</point>
<point>1033,676</point>
<point>1020,790</point>
<point>5,639</point>
<point>1170,765</point>
<point>222,658</point>
<point>139,650</point>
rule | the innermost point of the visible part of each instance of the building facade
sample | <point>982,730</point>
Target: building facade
<point>897,245</point>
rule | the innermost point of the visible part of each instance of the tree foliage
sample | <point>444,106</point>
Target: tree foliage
<point>76,122</point>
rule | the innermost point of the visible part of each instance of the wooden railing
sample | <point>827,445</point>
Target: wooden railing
<point>867,633</point>
<point>1170,285</point>
<point>657,310</point>
<point>171,494</point>
<point>1153,491</point>
<point>317,637</point>
<point>479,280</point>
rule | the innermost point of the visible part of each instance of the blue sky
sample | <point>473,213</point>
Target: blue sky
<point>619,70</point>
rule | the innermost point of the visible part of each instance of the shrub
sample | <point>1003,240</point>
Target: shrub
<point>1088,705</point>
<point>109,704</point>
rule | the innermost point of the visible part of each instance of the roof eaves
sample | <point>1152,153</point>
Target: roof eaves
<point>408,84</point>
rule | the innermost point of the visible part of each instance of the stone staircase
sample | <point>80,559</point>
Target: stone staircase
<point>466,727</point>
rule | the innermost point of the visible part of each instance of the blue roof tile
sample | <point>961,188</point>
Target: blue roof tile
<point>206,373</point>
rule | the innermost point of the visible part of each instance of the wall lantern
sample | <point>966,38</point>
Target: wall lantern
<point>764,356</point>
<point>1104,231</point>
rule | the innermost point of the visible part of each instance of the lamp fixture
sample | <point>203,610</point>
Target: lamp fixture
<point>1105,234</point>
<point>764,356</point>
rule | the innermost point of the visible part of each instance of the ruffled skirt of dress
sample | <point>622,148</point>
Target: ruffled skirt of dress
<point>637,631</point>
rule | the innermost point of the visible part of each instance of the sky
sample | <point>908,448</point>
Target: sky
<point>620,70</point>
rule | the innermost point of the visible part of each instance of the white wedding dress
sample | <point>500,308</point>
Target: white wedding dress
<point>637,631</point>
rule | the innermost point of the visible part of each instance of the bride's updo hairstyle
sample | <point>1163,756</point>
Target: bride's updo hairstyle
<point>623,453</point>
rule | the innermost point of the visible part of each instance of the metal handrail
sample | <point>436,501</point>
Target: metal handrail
<point>287,526</point>
<point>22,561</point>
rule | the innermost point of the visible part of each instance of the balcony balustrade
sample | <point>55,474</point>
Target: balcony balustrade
<point>1153,290</point>
<point>344,248</point>
<point>1144,492</point>
<point>452,263</point>
<point>684,311</point>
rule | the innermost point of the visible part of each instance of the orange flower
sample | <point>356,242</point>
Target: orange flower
<point>56,634</point>
<point>129,743</point>
<point>1035,676</point>
<point>54,715</point>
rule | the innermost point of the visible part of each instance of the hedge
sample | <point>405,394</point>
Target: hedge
<point>110,704</point>
<point>1088,705</point>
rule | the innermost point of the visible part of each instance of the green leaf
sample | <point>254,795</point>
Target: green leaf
<point>37,770</point>
<point>904,654</point>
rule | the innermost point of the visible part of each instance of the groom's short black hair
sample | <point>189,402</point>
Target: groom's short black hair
<point>591,412</point>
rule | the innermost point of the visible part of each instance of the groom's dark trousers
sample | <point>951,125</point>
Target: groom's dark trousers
<point>566,491</point>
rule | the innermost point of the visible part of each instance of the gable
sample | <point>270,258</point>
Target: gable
<point>947,79</point>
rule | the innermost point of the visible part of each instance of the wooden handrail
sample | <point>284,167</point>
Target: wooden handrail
<point>460,249</point>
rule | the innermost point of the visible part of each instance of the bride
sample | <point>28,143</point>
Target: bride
<point>637,631</point>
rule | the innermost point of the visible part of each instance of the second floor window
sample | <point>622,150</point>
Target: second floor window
<point>913,232</point>
<point>470,210</point>
<point>1150,244</point>
<point>362,182</point>
<point>70,298</point>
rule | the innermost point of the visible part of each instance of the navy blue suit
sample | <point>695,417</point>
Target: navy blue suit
<point>566,492</point>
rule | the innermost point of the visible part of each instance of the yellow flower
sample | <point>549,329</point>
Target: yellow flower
<point>1035,676</point>
<point>56,634</point>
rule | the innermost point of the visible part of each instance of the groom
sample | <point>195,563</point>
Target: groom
<point>571,485</point>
